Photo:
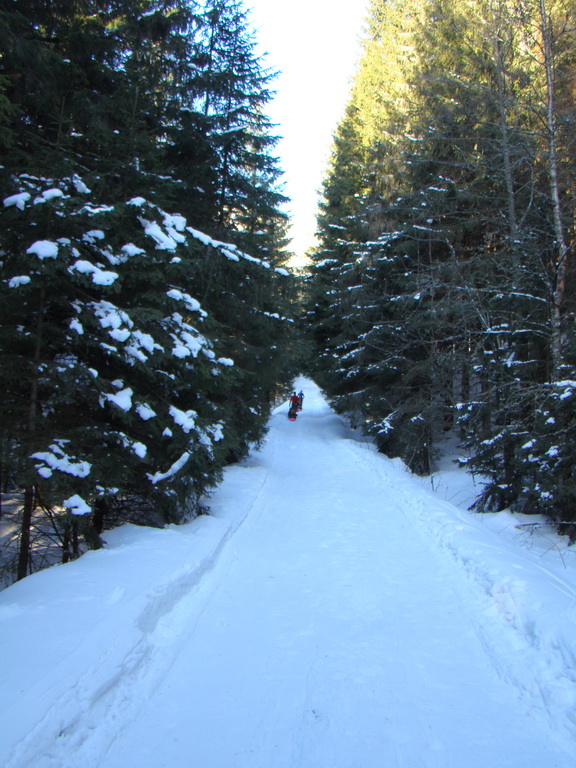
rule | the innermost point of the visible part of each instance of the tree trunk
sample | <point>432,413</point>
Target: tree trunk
<point>562,247</point>
<point>100,512</point>
<point>504,135</point>
<point>25,525</point>
<point>29,493</point>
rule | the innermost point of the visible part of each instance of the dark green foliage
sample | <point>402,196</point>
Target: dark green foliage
<point>145,311</point>
<point>440,298</point>
<point>107,320</point>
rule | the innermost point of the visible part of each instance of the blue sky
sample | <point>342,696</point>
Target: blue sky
<point>315,45</point>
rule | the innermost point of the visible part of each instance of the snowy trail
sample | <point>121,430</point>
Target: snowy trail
<point>329,633</point>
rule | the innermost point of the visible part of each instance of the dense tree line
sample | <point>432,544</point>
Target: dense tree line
<point>144,299</point>
<point>442,293</point>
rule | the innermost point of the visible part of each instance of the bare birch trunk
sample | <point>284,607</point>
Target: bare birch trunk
<point>562,247</point>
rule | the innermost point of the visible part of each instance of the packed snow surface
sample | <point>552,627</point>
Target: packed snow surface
<point>333,611</point>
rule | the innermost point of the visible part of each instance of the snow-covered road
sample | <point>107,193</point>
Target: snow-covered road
<point>327,630</point>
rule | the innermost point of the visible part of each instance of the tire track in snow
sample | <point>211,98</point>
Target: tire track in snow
<point>91,704</point>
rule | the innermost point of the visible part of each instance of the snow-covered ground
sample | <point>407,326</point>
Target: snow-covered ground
<point>332,612</point>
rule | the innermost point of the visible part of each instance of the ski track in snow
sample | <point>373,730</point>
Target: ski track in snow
<point>322,617</point>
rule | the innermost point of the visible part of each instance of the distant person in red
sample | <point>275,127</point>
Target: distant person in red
<point>293,409</point>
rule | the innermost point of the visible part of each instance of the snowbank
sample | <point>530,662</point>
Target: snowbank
<point>518,570</point>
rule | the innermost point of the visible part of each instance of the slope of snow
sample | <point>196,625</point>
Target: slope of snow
<point>331,612</point>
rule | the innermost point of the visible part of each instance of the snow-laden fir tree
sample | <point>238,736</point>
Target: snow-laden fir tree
<point>141,344</point>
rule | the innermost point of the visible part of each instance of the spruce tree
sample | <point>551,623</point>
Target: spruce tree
<point>147,342</point>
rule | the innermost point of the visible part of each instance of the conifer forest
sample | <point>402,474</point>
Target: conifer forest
<point>442,292</point>
<point>150,319</point>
